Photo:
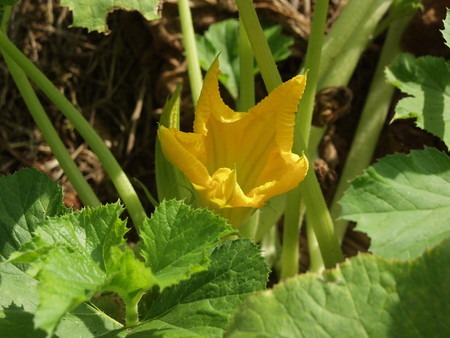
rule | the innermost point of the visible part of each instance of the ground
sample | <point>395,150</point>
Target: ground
<point>121,80</point>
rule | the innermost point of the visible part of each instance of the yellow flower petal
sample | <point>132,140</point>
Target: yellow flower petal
<point>184,151</point>
<point>236,159</point>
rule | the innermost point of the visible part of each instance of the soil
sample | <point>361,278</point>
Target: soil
<point>120,81</point>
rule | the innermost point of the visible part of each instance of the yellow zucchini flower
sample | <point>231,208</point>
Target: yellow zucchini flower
<point>239,159</point>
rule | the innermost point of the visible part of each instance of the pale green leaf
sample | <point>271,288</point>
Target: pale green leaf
<point>19,300</point>
<point>129,276</point>
<point>427,80</point>
<point>26,198</point>
<point>16,322</point>
<point>67,278</point>
<point>79,255</point>
<point>86,322</point>
<point>92,231</point>
<point>403,203</point>
<point>446,30</point>
<point>366,296</point>
<point>18,288</point>
<point>177,241</point>
<point>92,14</point>
<point>203,305</point>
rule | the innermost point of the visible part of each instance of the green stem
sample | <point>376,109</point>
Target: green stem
<point>320,219</point>
<point>246,78</point>
<point>348,39</point>
<point>44,124</point>
<point>305,111</point>
<point>312,65</point>
<point>315,257</point>
<point>194,70</point>
<point>290,251</point>
<point>295,208</point>
<point>259,45</point>
<point>343,47</point>
<point>318,213</point>
<point>341,52</point>
<point>132,310</point>
<point>112,168</point>
<point>371,122</point>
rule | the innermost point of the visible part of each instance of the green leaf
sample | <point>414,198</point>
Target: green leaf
<point>278,42</point>
<point>177,241</point>
<point>92,14</point>
<point>18,302</point>
<point>366,296</point>
<point>66,279</point>
<point>403,203</point>
<point>26,198</point>
<point>446,30</point>
<point>221,39</point>
<point>18,288</point>
<point>427,79</point>
<point>79,255</point>
<point>203,305</point>
<point>86,322</point>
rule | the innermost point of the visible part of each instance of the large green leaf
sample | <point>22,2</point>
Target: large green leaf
<point>366,296</point>
<point>427,80</point>
<point>19,300</point>
<point>92,14</point>
<point>402,202</point>
<point>204,304</point>
<point>177,241</point>
<point>26,198</point>
<point>78,255</point>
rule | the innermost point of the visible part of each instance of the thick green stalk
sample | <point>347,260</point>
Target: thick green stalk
<point>132,310</point>
<point>315,257</point>
<point>112,168</point>
<point>341,52</point>
<point>319,217</point>
<point>194,70</point>
<point>371,122</point>
<point>260,47</point>
<point>246,78</point>
<point>312,66</point>
<point>44,124</point>
<point>295,207</point>
<point>290,251</point>
<point>343,46</point>
<point>348,39</point>
<point>319,212</point>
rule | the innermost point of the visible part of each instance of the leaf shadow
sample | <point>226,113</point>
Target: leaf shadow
<point>18,323</point>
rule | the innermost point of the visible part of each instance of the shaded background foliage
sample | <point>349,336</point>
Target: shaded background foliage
<point>120,82</point>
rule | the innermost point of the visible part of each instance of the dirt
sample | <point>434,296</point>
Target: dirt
<point>121,80</point>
